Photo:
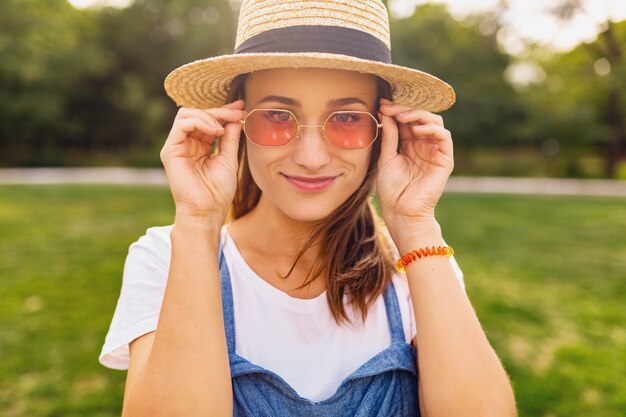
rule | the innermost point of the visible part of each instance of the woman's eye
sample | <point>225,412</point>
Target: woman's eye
<point>346,118</point>
<point>278,116</point>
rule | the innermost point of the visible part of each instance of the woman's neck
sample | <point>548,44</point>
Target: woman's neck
<point>281,235</point>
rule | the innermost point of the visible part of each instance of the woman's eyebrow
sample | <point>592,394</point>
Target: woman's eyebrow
<point>345,101</point>
<point>336,102</point>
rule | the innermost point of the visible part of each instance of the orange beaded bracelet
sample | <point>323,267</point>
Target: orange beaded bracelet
<point>413,255</point>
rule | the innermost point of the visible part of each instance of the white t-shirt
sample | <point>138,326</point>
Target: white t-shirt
<point>296,338</point>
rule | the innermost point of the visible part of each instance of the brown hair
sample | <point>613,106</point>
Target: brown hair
<point>356,253</point>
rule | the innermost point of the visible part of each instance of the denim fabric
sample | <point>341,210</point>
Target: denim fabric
<point>386,385</point>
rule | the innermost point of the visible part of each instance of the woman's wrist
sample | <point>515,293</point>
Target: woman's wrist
<point>409,236</point>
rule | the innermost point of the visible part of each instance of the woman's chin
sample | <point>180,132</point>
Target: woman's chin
<point>308,214</point>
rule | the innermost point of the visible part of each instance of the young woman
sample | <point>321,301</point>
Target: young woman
<point>274,292</point>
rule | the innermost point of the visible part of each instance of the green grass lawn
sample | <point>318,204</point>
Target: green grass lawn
<point>545,274</point>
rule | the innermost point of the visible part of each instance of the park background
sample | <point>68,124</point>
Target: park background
<point>83,87</point>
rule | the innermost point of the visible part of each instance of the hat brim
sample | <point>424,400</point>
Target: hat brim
<point>205,83</point>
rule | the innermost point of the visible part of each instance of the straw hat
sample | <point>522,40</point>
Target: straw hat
<point>338,34</point>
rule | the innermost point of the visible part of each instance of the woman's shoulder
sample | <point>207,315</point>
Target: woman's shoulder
<point>157,233</point>
<point>155,239</point>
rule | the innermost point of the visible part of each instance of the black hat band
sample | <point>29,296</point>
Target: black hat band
<point>326,39</point>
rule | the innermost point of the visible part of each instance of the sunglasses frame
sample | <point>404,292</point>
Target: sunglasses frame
<point>300,126</point>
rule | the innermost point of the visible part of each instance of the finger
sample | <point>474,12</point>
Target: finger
<point>216,116</point>
<point>230,112</point>
<point>424,150</point>
<point>229,143</point>
<point>442,136</point>
<point>397,108</point>
<point>405,114</point>
<point>182,128</point>
<point>389,146</point>
<point>196,134</point>
<point>237,104</point>
<point>191,113</point>
<point>200,114</point>
<point>420,116</point>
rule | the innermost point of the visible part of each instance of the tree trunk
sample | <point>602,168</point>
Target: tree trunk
<point>617,133</point>
<point>614,115</point>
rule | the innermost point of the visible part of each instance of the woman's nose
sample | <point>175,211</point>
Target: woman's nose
<point>311,150</point>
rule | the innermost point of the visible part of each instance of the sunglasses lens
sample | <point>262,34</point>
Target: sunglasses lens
<point>351,130</point>
<point>271,127</point>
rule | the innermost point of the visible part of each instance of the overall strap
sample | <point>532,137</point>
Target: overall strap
<point>227,300</point>
<point>393,313</point>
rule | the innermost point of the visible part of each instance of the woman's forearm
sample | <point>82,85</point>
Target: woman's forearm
<point>460,373</point>
<point>187,372</point>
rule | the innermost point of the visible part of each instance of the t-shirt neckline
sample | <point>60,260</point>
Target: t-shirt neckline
<point>310,304</point>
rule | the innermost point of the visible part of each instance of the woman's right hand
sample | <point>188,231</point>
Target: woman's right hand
<point>203,186</point>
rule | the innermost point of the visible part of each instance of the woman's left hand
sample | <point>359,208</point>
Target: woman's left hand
<point>411,181</point>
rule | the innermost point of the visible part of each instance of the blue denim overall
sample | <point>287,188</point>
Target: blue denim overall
<point>386,385</point>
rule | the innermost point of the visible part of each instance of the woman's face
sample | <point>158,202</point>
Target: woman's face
<point>311,94</point>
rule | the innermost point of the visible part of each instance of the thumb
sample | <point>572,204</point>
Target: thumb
<point>229,142</point>
<point>389,147</point>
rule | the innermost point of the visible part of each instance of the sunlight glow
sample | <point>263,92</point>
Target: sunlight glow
<point>529,20</point>
<point>83,4</point>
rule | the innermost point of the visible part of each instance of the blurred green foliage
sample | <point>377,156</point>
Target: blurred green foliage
<point>80,87</point>
<point>85,87</point>
<point>582,97</point>
<point>488,111</point>
<point>48,49</point>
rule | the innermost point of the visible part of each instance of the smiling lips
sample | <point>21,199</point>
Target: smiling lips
<point>310,183</point>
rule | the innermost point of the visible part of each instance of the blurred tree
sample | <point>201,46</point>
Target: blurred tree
<point>607,53</point>
<point>579,104</point>
<point>86,86</point>
<point>77,84</point>
<point>47,48</point>
<point>148,39</point>
<point>488,110</point>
